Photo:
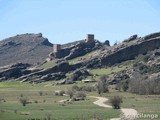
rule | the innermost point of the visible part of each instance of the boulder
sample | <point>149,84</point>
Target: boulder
<point>152,35</point>
<point>131,38</point>
<point>79,74</point>
<point>107,43</point>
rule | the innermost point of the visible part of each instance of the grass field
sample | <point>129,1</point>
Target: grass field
<point>47,105</point>
<point>110,70</point>
<point>48,64</point>
<point>84,57</point>
<point>146,104</point>
<point>43,106</point>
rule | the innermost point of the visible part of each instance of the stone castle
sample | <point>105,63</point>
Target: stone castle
<point>89,39</point>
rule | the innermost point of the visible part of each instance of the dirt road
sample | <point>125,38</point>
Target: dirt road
<point>127,113</point>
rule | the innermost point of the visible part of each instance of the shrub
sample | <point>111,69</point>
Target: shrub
<point>74,77</point>
<point>23,101</point>
<point>21,95</point>
<point>143,85</point>
<point>116,102</point>
<point>40,93</point>
<point>70,93</point>
<point>87,88</point>
<point>143,68</point>
<point>124,85</point>
<point>59,93</point>
<point>102,87</point>
<point>79,96</point>
<point>15,111</point>
<point>75,87</point>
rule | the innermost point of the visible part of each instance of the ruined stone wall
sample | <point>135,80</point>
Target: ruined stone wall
<point>56,48</point>
<point>78,50</point>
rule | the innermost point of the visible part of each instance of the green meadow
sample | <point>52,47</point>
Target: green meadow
<point>46,106</point>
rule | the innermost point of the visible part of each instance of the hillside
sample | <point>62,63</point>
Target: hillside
<point>83,60</point>
<point>25,48</point>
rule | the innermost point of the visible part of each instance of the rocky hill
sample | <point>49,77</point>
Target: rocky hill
<point>25,48</point>
<point>77,58</point>
<point>127,50</point>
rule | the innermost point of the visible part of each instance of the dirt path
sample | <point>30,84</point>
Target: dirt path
<point>101,101</point>
<point>127,114</point>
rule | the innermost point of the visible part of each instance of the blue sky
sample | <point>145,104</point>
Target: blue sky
<point>63,21</point>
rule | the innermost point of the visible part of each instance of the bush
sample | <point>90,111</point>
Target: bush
<point>84,88</point>
<point>36,101</point>
<point>79,96</point>
<point>74,77</point>
<point>87,88</point>
<point>124,85</point>
<point>102,87</point>
<point>21,95</point>
<point>116,102</point>
<point>75,87</point>
<point>59,93</point>
<point>23,101</point>
<point>2,100</point>
<point>70,93</point>
<point>40,93</point>
<point>143,68</point>
<point>143,85</point>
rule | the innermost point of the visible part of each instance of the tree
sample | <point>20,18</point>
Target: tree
<point>116,101</point>
<point>70,93</point>
<point>124,85</point>
<point>102,86</point>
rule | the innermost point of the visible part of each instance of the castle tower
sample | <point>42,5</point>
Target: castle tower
<point>90,38</point>
<point>56,48</point>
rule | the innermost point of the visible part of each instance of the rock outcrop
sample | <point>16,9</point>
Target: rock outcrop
<point>80,49</point>
<point>123,52</point>
<point>24,48</point>
<point>54,73</point>
<point>152,35</point>
<point>103,56</point>
<point>13,71</point>
<point>131,38</point>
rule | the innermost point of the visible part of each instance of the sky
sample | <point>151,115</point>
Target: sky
<point>63,21</point>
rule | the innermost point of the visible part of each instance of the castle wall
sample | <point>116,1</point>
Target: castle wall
<point>56,48</point>
<point>90,38</point>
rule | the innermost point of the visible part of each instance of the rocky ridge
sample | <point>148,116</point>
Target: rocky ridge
<point>106,56</point>
<point>25,48</point>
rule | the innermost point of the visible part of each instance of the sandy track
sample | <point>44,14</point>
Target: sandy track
<point>101,101</point>
<point>127,113</point>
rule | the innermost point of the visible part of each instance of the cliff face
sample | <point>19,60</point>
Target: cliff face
<point>25,48</point>
<point>126,51</point>
<point>131,52</point>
